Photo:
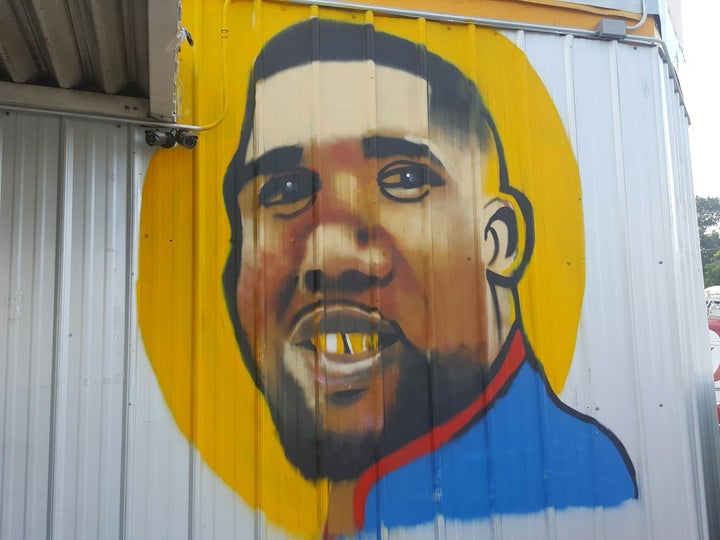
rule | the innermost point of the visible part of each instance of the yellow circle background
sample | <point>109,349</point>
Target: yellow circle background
<point>184,240</point>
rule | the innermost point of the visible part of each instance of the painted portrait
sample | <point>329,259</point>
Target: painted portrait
<point>381,326</point>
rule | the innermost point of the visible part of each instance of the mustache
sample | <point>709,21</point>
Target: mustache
<point>286,294</point>
<point>317,281</point>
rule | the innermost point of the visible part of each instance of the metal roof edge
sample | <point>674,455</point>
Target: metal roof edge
<point>60,100</point>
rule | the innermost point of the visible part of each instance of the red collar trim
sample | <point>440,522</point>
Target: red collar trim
<point>439,435</point>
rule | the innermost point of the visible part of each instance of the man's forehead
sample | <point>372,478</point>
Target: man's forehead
<point>328,101</point>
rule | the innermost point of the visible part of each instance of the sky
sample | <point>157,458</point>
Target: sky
<point>699,79</point>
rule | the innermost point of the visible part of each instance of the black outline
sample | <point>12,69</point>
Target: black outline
<point>454,101</point>
<point>315,186</point>
<point>380,147</point>
<point>429,177</point>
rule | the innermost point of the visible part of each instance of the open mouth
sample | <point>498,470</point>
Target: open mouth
<point>344,343</point>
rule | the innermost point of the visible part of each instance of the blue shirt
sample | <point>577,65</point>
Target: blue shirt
<point>528,452</point>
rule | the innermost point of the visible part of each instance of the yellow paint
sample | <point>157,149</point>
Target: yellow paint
<point>184,240</point>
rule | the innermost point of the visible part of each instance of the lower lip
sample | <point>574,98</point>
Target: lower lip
<point>343,375</point>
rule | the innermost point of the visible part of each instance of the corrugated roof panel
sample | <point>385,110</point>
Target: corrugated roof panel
<point>99,46</point>
<point>51,38</point>
<point>16,59</point>
<point>73,44</point>
<point>99,29</point>
<point>135,25</point>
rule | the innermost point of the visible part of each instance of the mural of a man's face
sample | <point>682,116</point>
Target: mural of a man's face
<point>363,289</point>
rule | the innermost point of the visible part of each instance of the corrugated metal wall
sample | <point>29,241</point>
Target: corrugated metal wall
<point>90,450</point>
<point>630,133</point>
<point>66,223</point>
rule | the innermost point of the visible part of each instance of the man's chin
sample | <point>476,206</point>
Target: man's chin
<point>426,394</point>
<point>337,457</point>
<point>316,449</point>
<point>345,442</point>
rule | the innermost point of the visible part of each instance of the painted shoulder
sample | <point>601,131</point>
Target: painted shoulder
<point>529,452</point>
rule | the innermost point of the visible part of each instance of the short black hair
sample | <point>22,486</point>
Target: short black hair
<point>453,100</point>
<point>454,103</point>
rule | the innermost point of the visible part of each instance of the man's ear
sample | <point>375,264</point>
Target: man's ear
<point>503,237</point>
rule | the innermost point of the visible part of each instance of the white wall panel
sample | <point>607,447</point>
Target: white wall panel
<point>628,126</point>
<point>90,373</point>
<point>68,207</point>
<point>89,449</point>
<point>158,464</point>
<point>28,219</point>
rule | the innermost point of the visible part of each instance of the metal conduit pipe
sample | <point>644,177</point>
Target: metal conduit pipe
<point>642,19</point>
<point>419,14</point>
<point>446,17</point>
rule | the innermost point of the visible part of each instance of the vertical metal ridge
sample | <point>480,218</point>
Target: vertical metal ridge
<point>623,204</point>
<point>132,228</point>
<point>665,127</point>
<point>6,194</point>
<point>432,412</point>
<point>571,125</point>
<point>477,196</point>
<point>15,407</point>
<point>703,438</point>
<point>258,517</point>
<point>62,299</point>
<point>43,266</point>
<point>195,463</point>
<point>85,293</point>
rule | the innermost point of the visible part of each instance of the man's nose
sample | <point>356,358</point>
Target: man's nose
<point>346,257</point>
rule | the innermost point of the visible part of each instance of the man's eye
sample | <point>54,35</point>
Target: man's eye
<point>408,181</point>
<point>294,190</point>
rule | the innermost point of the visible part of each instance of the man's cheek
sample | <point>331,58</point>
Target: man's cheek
<point>248,303</point>
<point>456,310</point>
<point>261,278</point>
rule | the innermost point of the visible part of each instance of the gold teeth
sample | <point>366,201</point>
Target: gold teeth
<point>341,343</point>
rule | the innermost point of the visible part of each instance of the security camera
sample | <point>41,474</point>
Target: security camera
<point>155,137</point>
<point>186,139</point>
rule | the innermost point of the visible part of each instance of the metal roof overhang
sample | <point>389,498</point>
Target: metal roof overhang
<point>114,58</point>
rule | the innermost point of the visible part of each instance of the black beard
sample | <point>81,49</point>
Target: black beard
<point>428,394</point>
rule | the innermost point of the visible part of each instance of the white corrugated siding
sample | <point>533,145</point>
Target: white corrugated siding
<point>89,450</point>
<point>643,275</point>
<point>66,222</point>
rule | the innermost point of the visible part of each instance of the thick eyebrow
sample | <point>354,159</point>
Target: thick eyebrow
<point>273,161</point>
<point>384,147</point>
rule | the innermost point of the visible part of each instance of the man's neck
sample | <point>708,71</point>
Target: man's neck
<point>340,509</point>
